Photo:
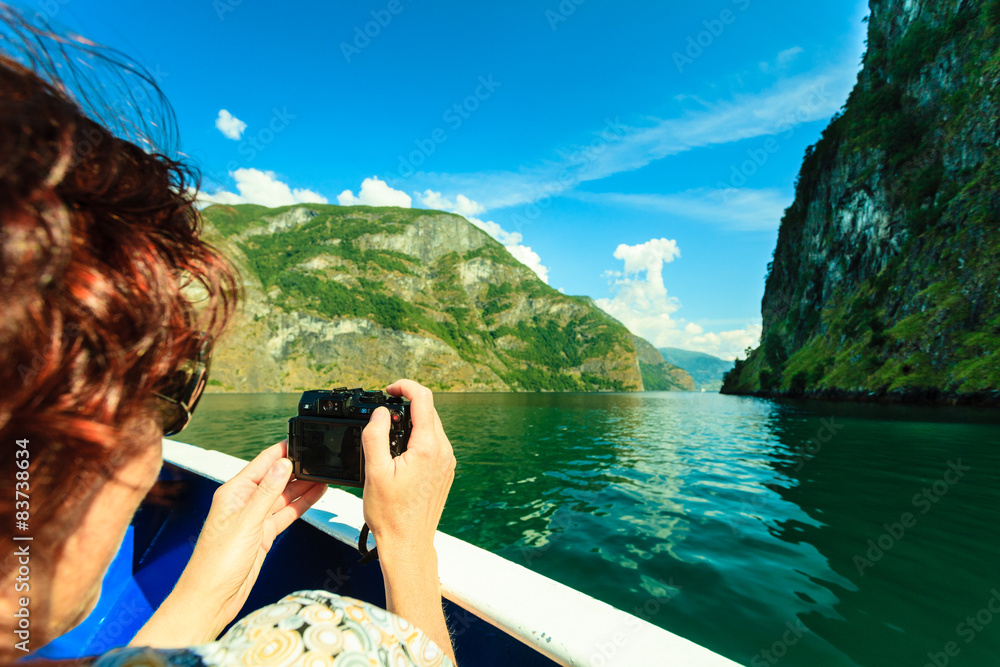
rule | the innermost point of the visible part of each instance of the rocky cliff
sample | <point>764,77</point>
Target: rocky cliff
<point>362,296</point>
<point>657,373</point>
<point>885,281</point>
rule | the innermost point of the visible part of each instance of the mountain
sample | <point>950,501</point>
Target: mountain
<point>657,373</point>
<point>706,370</point>
<point>362,296</point>
<point>884,283</point>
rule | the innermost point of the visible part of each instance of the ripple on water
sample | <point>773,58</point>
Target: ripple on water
<point>727,520</point>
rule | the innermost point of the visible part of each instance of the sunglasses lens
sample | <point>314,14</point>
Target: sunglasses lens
<point>173,417</point>
<point>180,396</point>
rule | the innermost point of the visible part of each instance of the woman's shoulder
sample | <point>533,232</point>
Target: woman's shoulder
<point>305,628</point>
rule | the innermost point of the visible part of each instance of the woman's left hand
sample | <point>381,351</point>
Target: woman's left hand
<point>247,513</point>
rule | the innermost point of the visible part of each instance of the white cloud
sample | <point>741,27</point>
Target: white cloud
<point>512,242</point>
<point>642,304</point>
<point>468,209</point>
<point>784,59</point>
<point>375,192</point>
<point>649,256</point>
<point>641,301</point>
<point>230,125</point>
<point>462,205</point>
<point>261,187</point>
<point>742,209</point>
<point>530,259</point>
<point>497,232</point>
<point>788,55</point>
<point>618,147</point>
<point>725,344</point>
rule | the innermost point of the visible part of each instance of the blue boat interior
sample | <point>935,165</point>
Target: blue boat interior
<point>160,541</point>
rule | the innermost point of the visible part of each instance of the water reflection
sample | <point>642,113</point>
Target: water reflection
<point>734,522</point>
<point>901,595</point>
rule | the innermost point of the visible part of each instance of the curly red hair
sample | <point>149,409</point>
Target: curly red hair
<point>100,262</point>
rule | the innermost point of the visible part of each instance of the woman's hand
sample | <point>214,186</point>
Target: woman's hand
<point>403,501</point>
<point>404,496</point>
<point>247,513</point>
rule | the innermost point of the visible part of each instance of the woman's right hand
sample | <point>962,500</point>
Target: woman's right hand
<point>403,501</point>
<point>404,496</point>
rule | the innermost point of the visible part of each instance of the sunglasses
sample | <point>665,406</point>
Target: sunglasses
<point>179,394</point>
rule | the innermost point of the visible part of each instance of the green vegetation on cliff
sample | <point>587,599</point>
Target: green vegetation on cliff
<point>361,295</point>
<point>657,373</point>
<point>706,370</point>
<point>885,276</point>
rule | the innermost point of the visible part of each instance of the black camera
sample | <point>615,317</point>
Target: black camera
<point>324,440</point>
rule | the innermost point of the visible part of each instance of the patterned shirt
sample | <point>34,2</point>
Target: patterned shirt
<point>304,629</point>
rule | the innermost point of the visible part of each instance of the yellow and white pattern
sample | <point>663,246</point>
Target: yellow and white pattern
<point>304,629</point>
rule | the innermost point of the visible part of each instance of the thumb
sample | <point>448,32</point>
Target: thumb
<point>269,489</point>
<point>375,440</point>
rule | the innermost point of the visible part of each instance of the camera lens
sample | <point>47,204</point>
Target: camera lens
<point>326,406</point>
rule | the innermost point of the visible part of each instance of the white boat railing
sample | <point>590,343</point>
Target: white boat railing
<point>564,624</point>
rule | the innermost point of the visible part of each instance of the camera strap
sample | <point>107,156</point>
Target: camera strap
<point>366,555</point>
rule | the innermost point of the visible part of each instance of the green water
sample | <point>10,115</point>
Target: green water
<point>738,523</point>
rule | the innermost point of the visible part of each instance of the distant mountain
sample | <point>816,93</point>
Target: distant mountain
<point>706,370</point>
<point>657,373</point>
<point>361,296</point>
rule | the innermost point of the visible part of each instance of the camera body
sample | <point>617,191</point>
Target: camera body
<point>324,439</point>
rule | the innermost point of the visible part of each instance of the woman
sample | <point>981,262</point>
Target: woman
<point>103,354</point>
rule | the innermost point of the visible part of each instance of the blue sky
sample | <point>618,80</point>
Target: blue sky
<point>640,153</point>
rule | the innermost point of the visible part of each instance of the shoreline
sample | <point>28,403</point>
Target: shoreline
<point>898,397</point>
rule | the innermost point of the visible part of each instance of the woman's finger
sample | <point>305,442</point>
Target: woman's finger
<point>375,441</point>
<point>293,491</point>
<point>268,491</point>
<point>421,401</point>
<point>256,469</point>
<point>286,516</point>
